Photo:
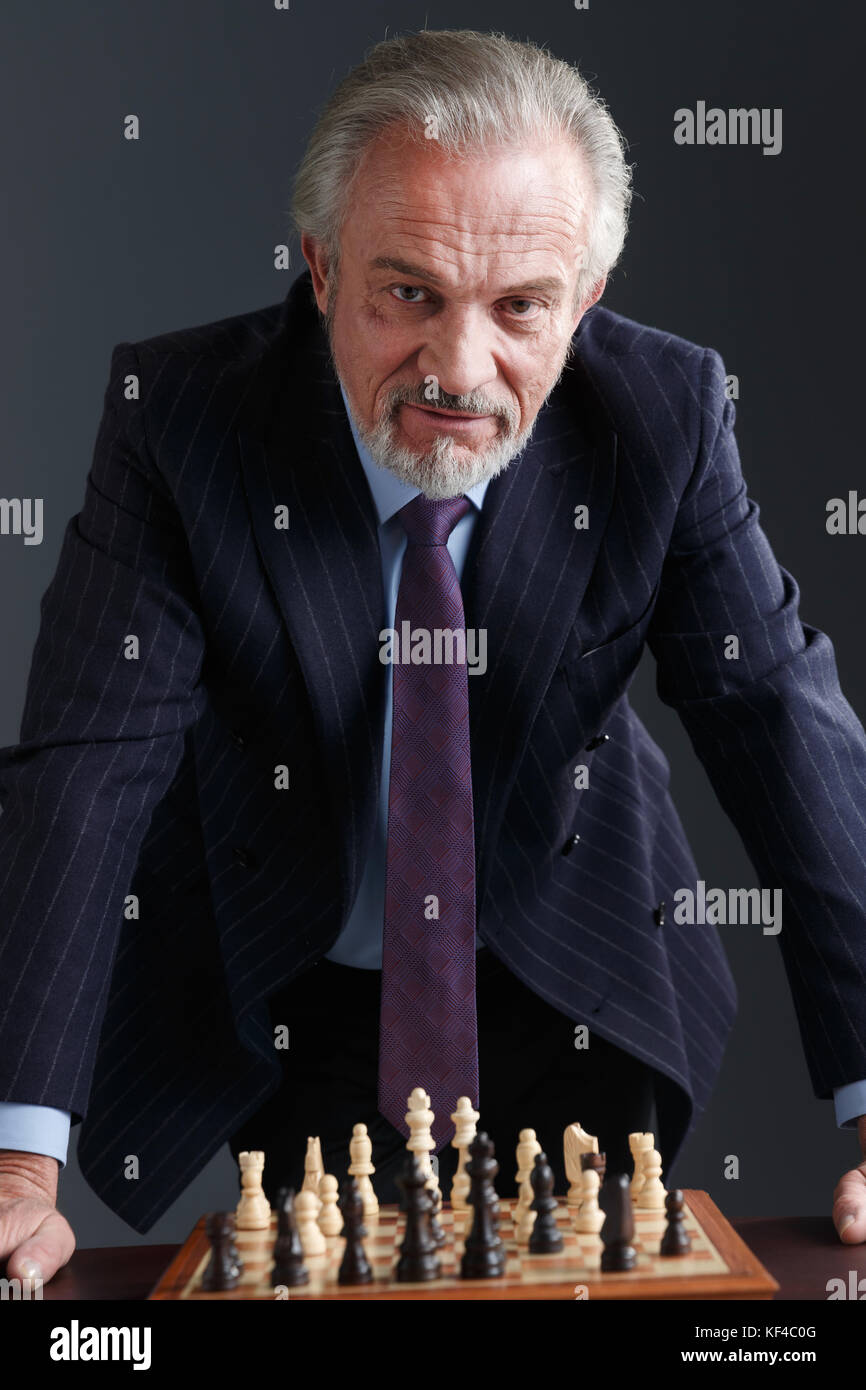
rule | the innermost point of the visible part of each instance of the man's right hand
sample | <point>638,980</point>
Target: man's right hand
<point>35,1240</point>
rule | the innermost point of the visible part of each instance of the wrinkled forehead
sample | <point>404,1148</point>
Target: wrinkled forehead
<point>502,204</point>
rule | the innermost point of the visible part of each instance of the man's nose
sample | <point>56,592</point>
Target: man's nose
<point>458,352</point>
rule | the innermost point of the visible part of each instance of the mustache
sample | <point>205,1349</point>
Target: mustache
<point>475,403</point>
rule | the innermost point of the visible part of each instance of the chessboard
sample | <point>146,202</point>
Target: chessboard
<point>718,1266</point>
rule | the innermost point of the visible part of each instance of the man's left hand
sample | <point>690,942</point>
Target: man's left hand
<point>849,1198</point>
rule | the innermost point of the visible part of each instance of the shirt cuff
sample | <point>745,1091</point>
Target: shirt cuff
<point>850,1102</point>
<point>35,1129</point>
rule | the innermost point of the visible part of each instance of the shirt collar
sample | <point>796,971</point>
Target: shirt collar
<point>389,492</point>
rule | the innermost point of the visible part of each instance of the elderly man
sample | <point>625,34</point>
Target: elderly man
<point>328,784</point>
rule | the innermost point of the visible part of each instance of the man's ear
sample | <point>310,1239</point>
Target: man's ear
<point>592,297</point>
<point>317,260</point>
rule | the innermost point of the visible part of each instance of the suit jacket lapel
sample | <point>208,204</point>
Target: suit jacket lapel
<point>526,574</point>
<point>297,450</point>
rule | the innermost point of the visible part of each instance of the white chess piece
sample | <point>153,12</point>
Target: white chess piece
<point>643,1146</point>
<point>589,1218</point>
<point>307,1206</point>
<point>419,1117</point>
<point>330,1216</point>
<point>524,1219</point>
<point>361,1168</point>
<point>314,1168</point>
<point>465,1120</point>
<point>253,1212</point>
<point>652,1194</point>
<point>575,1142</point>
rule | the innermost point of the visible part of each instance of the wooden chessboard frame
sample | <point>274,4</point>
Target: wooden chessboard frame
<point>745,1277</point>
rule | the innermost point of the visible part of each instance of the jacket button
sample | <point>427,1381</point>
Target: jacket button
<point>570,844</point>
<point>597,742</point>
<point>243,857</point>
<point>659,915</point>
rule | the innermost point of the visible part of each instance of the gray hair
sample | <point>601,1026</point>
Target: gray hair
<point>475,90</point>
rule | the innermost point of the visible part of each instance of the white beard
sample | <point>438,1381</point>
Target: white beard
<point>445,469</point>
<point>439,471</point>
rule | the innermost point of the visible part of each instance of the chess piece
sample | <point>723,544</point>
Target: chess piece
<point>546,1237</point>
<point>651,1196</point>
<point>524,1217</point>
<point>289,1268</point>
<point>640,1145</point>
<point>307,1207</point>
<point>355,1267</point>
<point>223,1269</point>
<point>596,1161</point>
<point>483,1250</point>
<point>617,1232</point>
<point>314,1168</point>
<point>330,1220</point>
<point>575,1142</point>
<point>418,1260</point>
<point>589,1218</point>
<point>419,1117</point>
<point>464,1120</point>
<point>676,1239</point>
<point>361,1168</point>
<point>253,1210</point>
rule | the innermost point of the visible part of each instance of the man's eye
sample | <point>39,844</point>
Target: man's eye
<point>409,289</point>
<point>522,307</point>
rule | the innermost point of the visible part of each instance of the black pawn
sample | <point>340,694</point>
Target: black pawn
<point>289,1268</point>
<point>546,1237</point>
<point>483,1250</point>
<point>617,1232</point>
<point>418,1260</point>
<point>676,1239</point>
<point>222,1271</point>
<point>355,1267</point>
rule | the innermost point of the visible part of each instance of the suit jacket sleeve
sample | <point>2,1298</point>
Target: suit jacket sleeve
<point>113,687</point>
<point>783,749</point>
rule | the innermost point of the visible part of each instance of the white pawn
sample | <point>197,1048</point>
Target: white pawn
<point>652,1194</point>
<point>464,1120</point>
<point>330,1217</point>
<point>524,1219</point>
<point>589,1218</point>
<point>307,1207</point>
<point>253,1212</point>
<point>361,1167</point>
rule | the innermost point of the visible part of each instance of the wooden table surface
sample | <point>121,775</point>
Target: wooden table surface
<point>801,1252</point>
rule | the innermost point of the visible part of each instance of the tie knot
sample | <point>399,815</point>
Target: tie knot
<point>430,523</point>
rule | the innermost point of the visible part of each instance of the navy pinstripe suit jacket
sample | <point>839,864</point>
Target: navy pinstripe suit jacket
<point>258,646</point>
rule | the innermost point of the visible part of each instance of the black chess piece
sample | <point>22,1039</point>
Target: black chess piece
<point>439,1236</point>
<point>483,1250</point>
<point>676,1239</point>
<point>617,1232</point>
<point>418,1260</point>
<point>598,1162</point>
<point>234,1252</point>
<point>354,1267</point>
<point>289,1268</point>
<point>222,1271</point>
<point>546,1237</point>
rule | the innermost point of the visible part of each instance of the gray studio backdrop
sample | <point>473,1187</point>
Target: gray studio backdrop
<point>756,255</point>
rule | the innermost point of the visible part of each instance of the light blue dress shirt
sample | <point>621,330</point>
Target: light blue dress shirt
<point>42,1129</point>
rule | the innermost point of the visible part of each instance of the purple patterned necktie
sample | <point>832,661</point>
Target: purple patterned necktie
<point>427,1034</point>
